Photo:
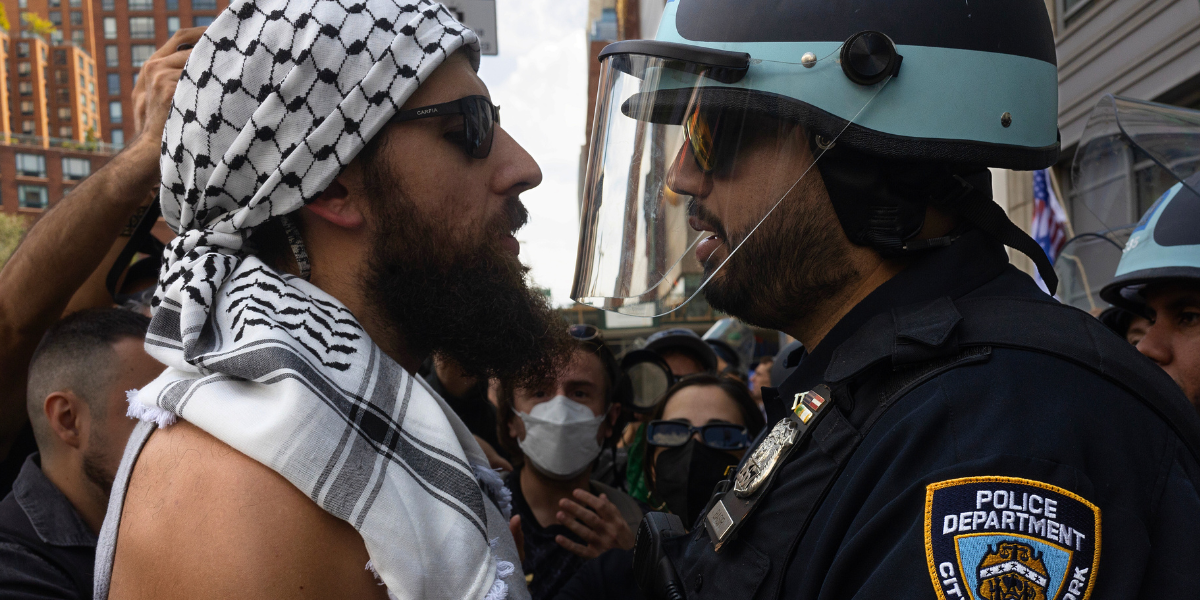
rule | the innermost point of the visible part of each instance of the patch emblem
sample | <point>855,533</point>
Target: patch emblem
<point>1003,538</point>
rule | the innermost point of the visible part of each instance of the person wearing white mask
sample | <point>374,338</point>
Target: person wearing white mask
<point>555,433</point>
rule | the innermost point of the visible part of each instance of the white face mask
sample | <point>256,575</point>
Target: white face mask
<point>560,437</point>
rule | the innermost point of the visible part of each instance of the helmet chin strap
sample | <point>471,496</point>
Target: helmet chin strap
<point>977,208</point>
<point>882,204</point>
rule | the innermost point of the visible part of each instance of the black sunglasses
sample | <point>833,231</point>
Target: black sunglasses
<point>479,115</point>
<point>718,436</point>
<point>584,332</point>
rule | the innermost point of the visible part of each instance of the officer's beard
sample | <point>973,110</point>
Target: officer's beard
<point>793,263</point>
<point>464,299</point>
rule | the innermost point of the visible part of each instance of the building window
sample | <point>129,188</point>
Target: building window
<point>64,96</point>
<point>91,70</point>
<point>93,102</point>
<point>22,49</point>
<point>82,81</point>
<point>172,25</point>
<point>1069,11</point>
<point>110,28</point>
<point>172,4</point>
<point>118,138</point>
<point>26,107</point>
<point>60,77</point>
<point>22,3</point>
<point>76,3</point>
<point>141,5</point>
<point>66,131</point>
<point>202,21</point>
<point>56,18</point>
<point>31,165</point>
<point>76,168</point>
<point>83,117</point>
<point>64,112</point>
<point>107,4</point>
<point>204,4</point>
<point>76,18</point>
<point>24,68</point>
<point>55,3</point>
<point>141,28</point>
<point>112,56</point>
<point>114,84</point>
<point>141,53</point>
<point>32,196</point>
<point>114,112</point>
<point>77,36</point>
<point>60,57</point>
<point>25,87</point>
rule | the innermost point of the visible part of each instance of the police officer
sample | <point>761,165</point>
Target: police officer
<point>1158,277</point>
<point>950,431</point>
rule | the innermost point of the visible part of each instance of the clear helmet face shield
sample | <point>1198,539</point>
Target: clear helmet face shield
<point>687,161</point>
<point>1131,153</point>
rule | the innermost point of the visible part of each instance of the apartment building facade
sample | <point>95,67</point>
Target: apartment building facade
<point>127,32</point>
<point>66,88</point>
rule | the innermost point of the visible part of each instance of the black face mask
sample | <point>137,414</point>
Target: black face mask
<point>686,475</point>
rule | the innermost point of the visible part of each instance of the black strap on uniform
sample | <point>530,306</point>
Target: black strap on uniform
<point>138,239</point>
<point>904,335</point>
<point>978,209</point>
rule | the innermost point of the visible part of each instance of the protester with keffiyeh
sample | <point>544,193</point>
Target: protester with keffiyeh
<point>345,204</point>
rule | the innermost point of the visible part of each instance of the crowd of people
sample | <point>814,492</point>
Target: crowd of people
<point>336,382</point>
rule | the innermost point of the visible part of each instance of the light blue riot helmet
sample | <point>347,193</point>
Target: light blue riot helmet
<point>1129,150</point>
<point>956,86</point>
<point>734,339</point>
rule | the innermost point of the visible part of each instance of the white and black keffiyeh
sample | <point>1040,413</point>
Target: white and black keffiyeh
<point>275,100</point>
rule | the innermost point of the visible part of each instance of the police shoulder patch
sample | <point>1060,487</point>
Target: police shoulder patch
<point>1004,538</point>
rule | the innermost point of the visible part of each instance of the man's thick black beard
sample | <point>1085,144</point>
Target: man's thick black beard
<point>793,263</point>
<point>470,304</point>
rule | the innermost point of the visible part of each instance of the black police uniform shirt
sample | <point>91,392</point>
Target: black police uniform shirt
<point>1019,475</point>
<point>46,550</point>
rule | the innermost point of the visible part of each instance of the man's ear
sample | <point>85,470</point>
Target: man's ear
<point>67,415</point>
<point>335,206</point>
<point>516,428</point>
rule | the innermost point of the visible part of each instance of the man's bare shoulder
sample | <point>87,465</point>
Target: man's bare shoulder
<point>202,520</point>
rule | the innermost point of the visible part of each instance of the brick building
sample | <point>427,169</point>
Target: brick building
<point>127,32</point>
<point>66,92</point>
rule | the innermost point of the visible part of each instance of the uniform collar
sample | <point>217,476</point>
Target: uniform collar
<point>970,262</point>
<point>53,517</point>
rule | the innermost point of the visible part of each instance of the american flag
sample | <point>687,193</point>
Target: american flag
<point>1049,227</point>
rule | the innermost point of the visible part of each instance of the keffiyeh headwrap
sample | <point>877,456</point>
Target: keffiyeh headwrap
<point>275,100</point>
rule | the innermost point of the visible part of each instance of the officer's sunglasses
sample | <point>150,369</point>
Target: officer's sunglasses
<point>479,117</point>
<point>718,436</point>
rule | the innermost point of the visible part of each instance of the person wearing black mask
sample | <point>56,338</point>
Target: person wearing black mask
<point>699,430</point>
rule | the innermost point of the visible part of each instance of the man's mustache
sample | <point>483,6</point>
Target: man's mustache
<point>695,209</point>
<point>515,215</point>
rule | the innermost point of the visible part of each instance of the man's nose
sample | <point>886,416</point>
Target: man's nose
<point>685,177</point>
<point>1156,344</point>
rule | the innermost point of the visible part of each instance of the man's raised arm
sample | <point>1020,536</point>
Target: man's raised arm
<point>63,250</point>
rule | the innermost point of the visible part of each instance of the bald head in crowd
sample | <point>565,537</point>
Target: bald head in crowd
<point>78,377</point>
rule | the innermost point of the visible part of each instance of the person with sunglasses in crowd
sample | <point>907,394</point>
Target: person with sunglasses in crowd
<point>345,200</point>
<point>697,434</point>
<point>555,432</point>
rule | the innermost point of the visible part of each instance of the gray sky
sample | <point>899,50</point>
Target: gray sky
<point>539,80</point>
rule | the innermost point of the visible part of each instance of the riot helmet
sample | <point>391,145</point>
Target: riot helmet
<point>741,100</point>
<point>1129,152</point>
